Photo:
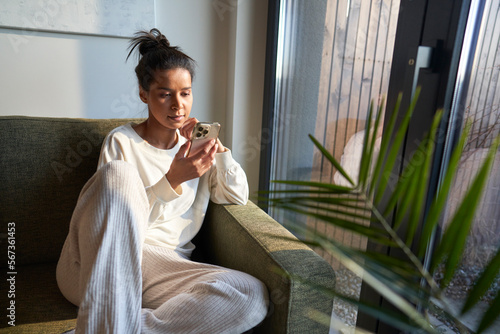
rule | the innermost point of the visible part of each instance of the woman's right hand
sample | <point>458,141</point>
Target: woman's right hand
<point>185,168</point>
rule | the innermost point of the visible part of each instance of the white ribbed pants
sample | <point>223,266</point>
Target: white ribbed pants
<point>122,285</point>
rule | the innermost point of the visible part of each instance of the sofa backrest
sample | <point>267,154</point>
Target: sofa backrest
<point>44,163</point>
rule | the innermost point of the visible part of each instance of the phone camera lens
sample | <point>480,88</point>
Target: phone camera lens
<point>198,135</point>
<point>205,132</point>
<point>200,129</point>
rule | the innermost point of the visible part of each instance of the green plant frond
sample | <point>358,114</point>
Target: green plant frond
<point>386,290</point>
<point>303,191</point>
<point>393,262</point>
<point>404,193</point>
<point>441,198</point>
<point>395,148</point>
<point>324,319</point>
<point>325,208</point>
<point>403,282</point>
<point>393,267</point>
<point>366,154</point>
<point>402,186</point>
<point>442,308</point>
<point>374,235</point>
<point>328,321</point>
<point>404,279</point>
<point>344,202</point>
<point>384,276</point>
<point>328,211</point>
<point>374,133</point>
<point>483,283</point>
<point>427,147</point>
<point>334,189</point>
<point>385,315</point>
<point>455,236</point>
<point>409,192</point>
<point>384,145</point>
<point>491,314</point>
<point>332,160</point>
<point>406,250</point>
<point>355,209</point>
<point>404,286</point>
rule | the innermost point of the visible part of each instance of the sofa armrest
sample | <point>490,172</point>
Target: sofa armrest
<point>245,238</point>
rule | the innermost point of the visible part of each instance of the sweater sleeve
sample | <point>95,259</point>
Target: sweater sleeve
<point>159,194</point>
<point>111,150</point>
<point>228,181</point>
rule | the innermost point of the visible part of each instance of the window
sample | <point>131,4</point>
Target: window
<point>329,59</point>
<point>332,59</point>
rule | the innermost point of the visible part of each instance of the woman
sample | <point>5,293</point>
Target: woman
<point>125,262</point>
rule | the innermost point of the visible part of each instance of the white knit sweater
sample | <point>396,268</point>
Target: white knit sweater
<point>175,219</point>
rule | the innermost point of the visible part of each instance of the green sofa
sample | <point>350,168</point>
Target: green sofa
<point>44,164</point>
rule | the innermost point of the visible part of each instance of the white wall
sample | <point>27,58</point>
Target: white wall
<point>246,85</point>
<point>62,75</point>
<point>227,38</point>
<point>195,27</point>
<point>67,75</point>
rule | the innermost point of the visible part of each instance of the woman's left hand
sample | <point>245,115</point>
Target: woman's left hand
<point>187,128</point>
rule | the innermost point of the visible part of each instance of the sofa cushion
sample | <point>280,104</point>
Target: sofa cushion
<point>44,164</point>
<point>39,306</point>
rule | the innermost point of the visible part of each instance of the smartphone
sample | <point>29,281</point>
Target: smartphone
<point>202,133</point>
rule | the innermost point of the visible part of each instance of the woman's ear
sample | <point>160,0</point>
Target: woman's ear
<point>143,95</point>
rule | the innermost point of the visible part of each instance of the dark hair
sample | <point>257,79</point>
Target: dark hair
<point>157,54</point>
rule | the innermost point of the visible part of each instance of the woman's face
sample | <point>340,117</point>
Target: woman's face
<point>169,98</point>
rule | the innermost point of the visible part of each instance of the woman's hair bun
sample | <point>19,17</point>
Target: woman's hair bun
<point>156,53</point>
<point>146,42</point>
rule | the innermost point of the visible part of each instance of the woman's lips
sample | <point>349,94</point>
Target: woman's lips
<point>176,118</point>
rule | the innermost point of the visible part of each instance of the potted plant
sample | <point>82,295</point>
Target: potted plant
<point>406,283</point>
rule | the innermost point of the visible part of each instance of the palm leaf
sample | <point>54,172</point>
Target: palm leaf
<point>332,160</point>
<point>483,283</point>
<point>355,209</point>
<point>406,185</point>
<point>386,290</point>
<point>335,189</point>
<point>384,145</point>
<point>375,235</point>
<point>427,148</point>
<point>491,314</point>
<point>344,202</point>
<point>455,236</point>
<point>440,199</point>
<point>388,316</point>
<point>396,144</point>
<point>367,150</point>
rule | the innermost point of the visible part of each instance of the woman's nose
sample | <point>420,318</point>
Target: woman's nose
<point>176,104</point>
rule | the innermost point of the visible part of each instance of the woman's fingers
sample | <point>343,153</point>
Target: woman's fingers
<point>187,127</point>
<point>184,168</point>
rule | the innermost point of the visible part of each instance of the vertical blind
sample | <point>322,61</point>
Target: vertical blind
<point>351,63</point>
<point>357,54</point>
